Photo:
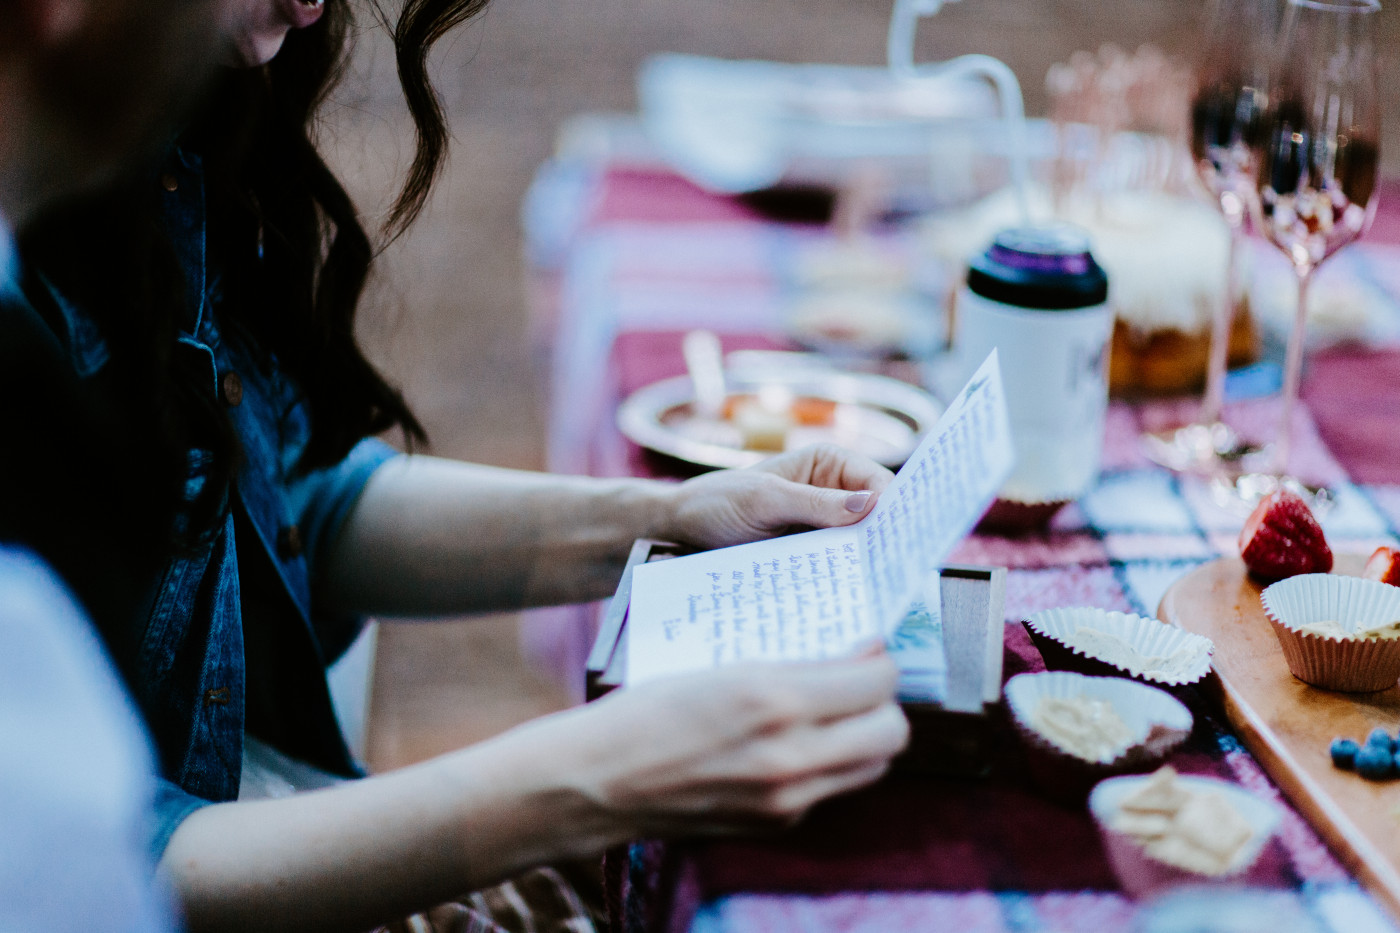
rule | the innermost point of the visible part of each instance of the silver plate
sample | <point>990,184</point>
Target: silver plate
<point>880,417</point>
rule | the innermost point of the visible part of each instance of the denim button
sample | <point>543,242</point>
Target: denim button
<point>169,182</point>
<point>232,388</point>
<point>289,542</point>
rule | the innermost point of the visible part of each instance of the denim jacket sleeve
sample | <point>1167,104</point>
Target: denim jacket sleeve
<point>321,500</point>
<point>173,805</point>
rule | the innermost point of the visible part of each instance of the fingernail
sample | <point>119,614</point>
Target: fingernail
<point>857,501</point>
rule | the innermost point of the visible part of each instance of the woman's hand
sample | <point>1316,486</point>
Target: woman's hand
<point>815,487</point>
<point>741,748</point>
<point>431,536</point>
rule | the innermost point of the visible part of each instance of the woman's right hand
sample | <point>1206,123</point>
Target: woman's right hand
<point>742,748</point>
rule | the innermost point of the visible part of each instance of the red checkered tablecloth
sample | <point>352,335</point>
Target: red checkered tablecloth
<point>629,259</point>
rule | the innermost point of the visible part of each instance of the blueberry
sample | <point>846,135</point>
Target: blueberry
<point>1381,739</point>
<point>1344,753</point>
<point>1375,763</point>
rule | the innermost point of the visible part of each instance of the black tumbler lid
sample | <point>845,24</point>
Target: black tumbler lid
<point>1047,268</point>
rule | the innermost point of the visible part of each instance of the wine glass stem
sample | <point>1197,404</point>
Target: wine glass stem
<point>1292,374</point>
<point>1214,402</point>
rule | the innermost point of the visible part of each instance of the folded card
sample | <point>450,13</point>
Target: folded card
<point>822,593</point>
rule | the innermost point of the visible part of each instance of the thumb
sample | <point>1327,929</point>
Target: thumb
<point>822,507</point>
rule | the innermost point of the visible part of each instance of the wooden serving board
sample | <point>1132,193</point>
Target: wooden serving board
<point>1289,725</point>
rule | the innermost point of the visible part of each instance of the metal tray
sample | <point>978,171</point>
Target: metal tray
<point>880,417</point>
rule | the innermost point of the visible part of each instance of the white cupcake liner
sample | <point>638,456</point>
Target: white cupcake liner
<point>1348,665</point>
<point>1141,875</point>
<point>1051,629</point>
<point>1157,720</point>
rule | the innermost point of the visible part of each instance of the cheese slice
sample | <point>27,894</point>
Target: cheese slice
<point>1196,830</point>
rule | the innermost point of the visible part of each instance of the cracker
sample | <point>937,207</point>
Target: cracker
<point>1142,826</point>
<point>1180,852</point>
<point>1208,822</point>
<point>1161,794</point>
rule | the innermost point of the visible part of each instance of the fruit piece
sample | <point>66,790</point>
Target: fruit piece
<point>761,427</point>
<point>1344,753</point>
<point>1375,763</point>
<point>813,412</point>
<point>1384,566</point>
<point>1281,538</point>
<point>1381,738</point>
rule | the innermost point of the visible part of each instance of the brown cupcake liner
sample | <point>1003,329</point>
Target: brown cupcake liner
<point>1067,778</point>
<point>1044,630</point>
<point>1061,657</point>
<point>1010,517</point>
<point>1142,876</point>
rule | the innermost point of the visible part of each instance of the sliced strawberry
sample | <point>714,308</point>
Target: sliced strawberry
<point>1281,538</point>
<point>1384,566</point>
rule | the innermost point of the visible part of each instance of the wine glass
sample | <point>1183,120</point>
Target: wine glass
<point>1316,161</point>
<point>1226,111</point>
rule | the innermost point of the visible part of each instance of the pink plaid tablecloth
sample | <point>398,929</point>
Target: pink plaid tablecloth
<point>640,257</point>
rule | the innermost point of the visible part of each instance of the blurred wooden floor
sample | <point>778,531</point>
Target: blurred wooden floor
<point>447,313</point>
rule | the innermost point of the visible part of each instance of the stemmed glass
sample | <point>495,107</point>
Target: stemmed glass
<point>1226,112</point>
<point>1317,158</point>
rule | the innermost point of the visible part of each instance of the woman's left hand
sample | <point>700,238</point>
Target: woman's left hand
<point>815,487</point>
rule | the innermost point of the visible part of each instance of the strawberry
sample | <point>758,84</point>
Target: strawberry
<point>1281,538</point>
<point>1384,566</point>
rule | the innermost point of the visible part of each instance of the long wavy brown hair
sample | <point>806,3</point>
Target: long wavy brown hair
<point>292,259</point>
<point>293,252</point>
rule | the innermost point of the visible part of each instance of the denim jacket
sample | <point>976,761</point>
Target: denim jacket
<point>232,641</point>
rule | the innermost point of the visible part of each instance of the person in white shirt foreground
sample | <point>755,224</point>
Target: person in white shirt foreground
<point>84,85</point>
<point>75,771</point>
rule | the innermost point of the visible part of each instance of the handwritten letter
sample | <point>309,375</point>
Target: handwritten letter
<point>788,599</point>
<point>937,497</point>
<point>820,594</point>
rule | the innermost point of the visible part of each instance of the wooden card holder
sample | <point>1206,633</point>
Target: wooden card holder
<point>946,737</point>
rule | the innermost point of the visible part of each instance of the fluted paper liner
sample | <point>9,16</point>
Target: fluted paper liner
<point>1158,721</point>
<point>1050,629</point>
<point>1141,875</point>
<point>1348,665</point>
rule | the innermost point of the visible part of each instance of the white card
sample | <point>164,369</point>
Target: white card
<point>822,593</point>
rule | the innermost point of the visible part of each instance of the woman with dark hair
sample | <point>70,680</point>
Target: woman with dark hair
<point>214,301</point>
